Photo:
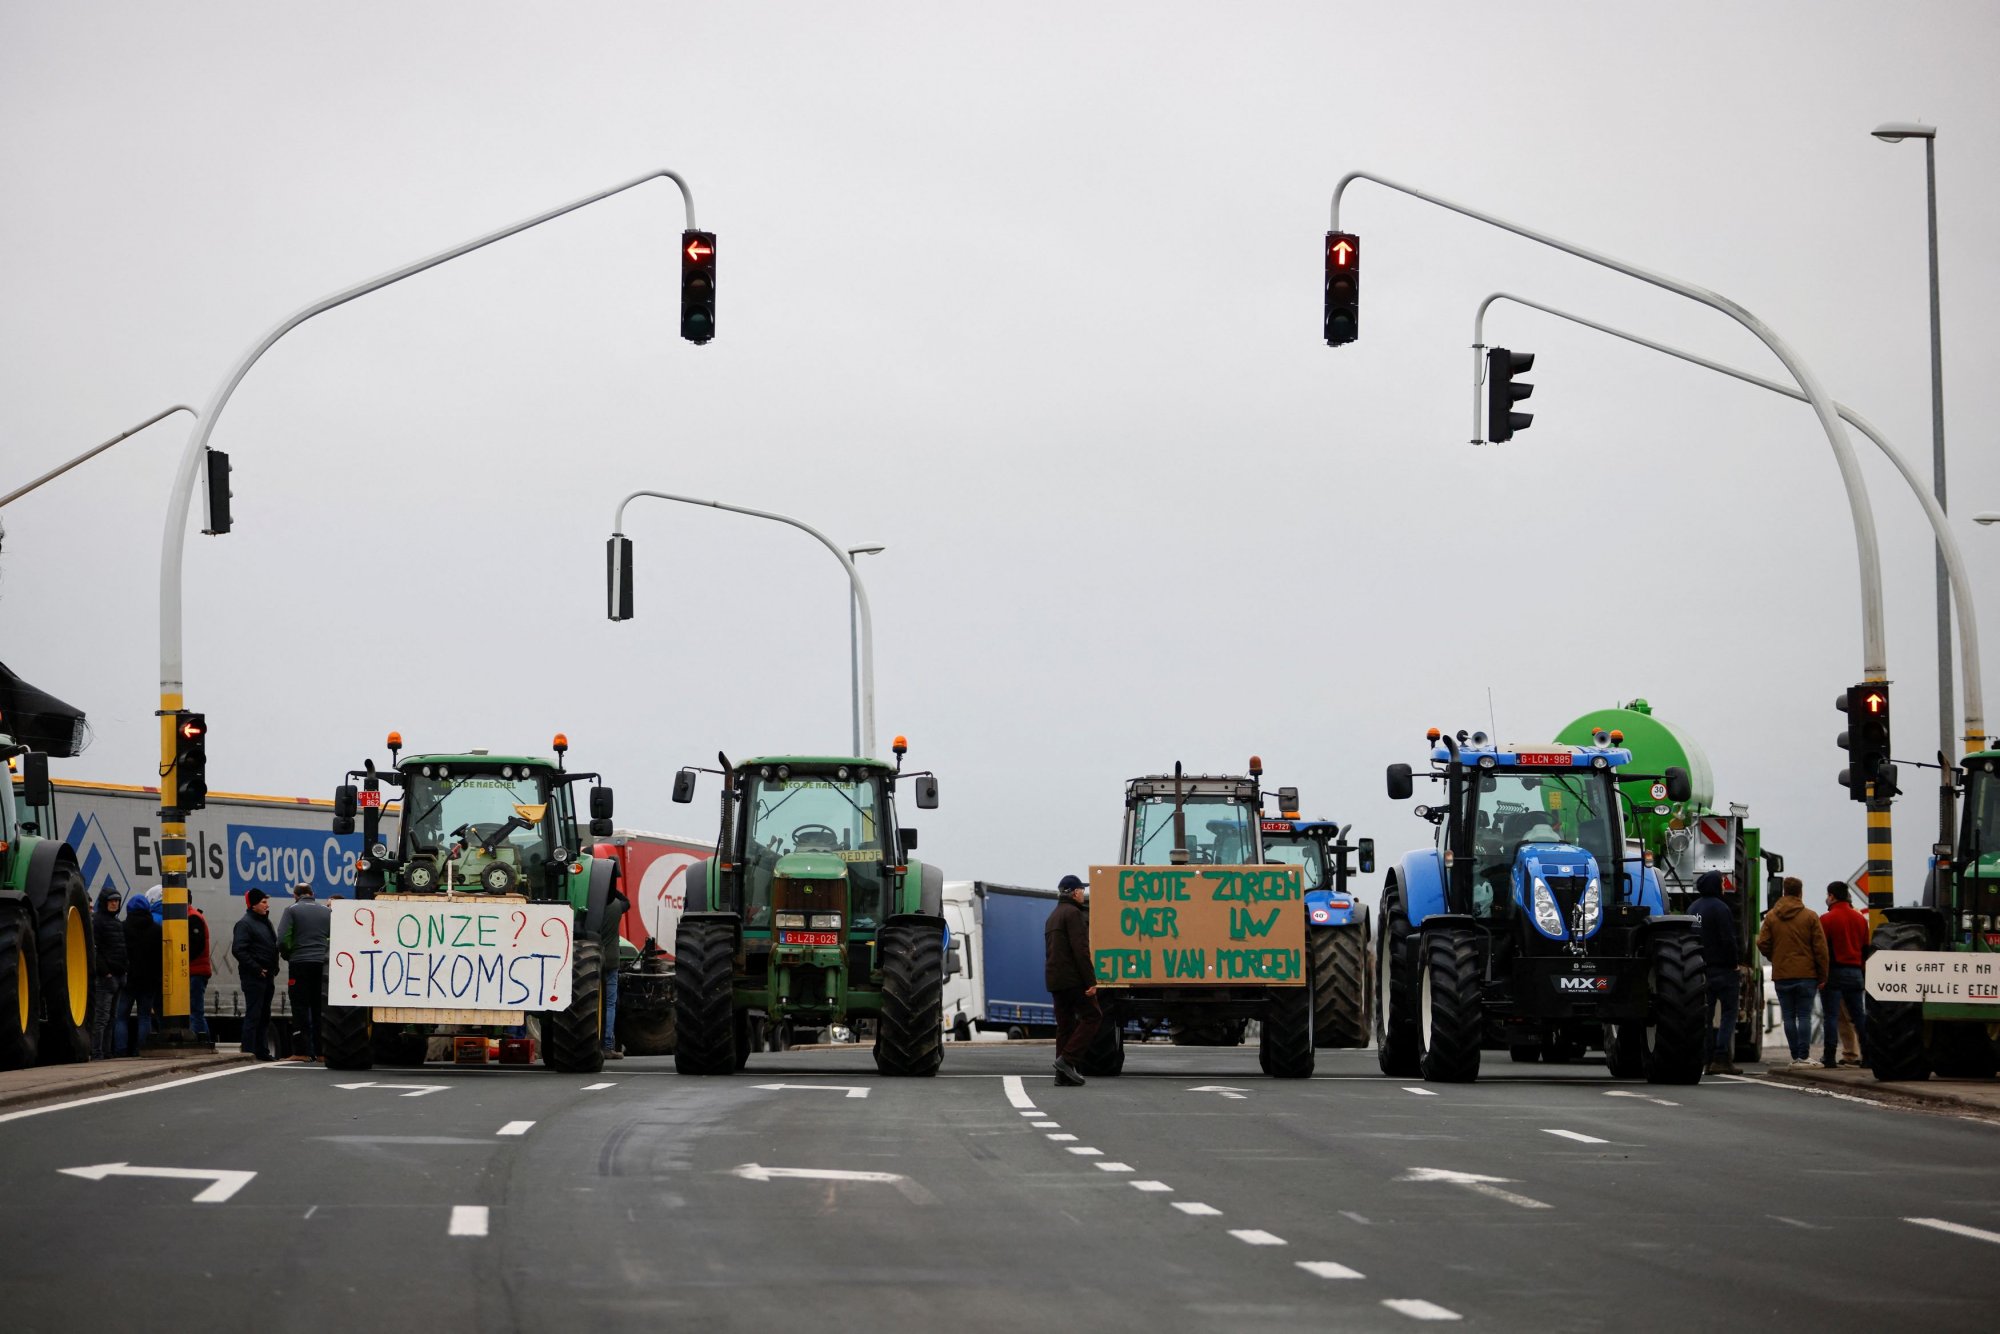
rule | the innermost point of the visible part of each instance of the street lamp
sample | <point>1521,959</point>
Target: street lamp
<point>854,649</point>
<point>618,594</point>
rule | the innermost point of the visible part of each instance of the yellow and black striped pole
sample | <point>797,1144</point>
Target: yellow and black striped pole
<point>174,1029</point>
<point>1881,860</point>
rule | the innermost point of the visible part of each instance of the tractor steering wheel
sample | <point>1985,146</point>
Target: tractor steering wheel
<point>832,834</point>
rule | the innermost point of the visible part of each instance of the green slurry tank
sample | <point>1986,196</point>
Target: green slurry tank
<point>1684,839</point>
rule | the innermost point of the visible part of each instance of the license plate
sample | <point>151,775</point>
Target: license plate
<point>809,937</point>
<point>1540,757</point>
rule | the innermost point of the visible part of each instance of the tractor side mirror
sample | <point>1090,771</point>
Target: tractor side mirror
<point>1288,799</point>
<point>1364,856</point>
<point>954,963</point>
<point>684,787</point>
<point>927,792</point>
<point>908,838</point>
<point>35,778</point>
<point>1400,786</point>
<point>1678,786</point>
<point>343,809</point>
<point>600,804</point>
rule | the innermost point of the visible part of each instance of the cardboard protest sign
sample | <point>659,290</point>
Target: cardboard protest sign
<point>458,952</point>
<point>1934,975</point>
<point>1198,925</point>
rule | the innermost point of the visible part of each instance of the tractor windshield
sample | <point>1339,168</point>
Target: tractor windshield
<point>844,818</point>
<point>1221,831</point>
<point>1301,851</point>
<point>447,807</point>
<point>1982,814</point>
<point>1512,808</point>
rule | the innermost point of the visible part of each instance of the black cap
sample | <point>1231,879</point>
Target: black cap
<point>1070,882</point>
<point>1707,883</point>
<point>253,897</point>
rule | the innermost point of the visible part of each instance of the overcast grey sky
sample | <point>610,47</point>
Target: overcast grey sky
<point>1030,294</point>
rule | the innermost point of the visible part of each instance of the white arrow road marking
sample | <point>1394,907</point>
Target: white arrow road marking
<point>468,1220</point>
<point>1483,1185</point>
<point>1645,1097</point>
<point>221,1186</point>
<point>1578,1137</point>
<point>1420,1310</point>
<point>515,1128</point>
<point>1421,1093</point>
<point>849,1089</point>
<point>1017,1096</point>
<point>415,1090</point>
<point>1255,1236</point>
<point>1957,1229</point>
<point>1233,1094</point>
<point>1328,1269</point>
<point>1198,1210</point>
<point>753,1172</point>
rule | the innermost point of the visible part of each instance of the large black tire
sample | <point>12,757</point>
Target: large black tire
<point>68,962</point>
<point>646,1035</point>
<point>909,1037</point>
<point>20,988</point>
<point>1896,1049</point>
<point>1107,1050</point>
<point>704,967</point>
<point>347,1037</point>
<point>745,1035</point>
<point>1451,1021</point>
<point>1393,1008</point>
<point>1676,1035</point>
<point>1339,985</point>
<point>1285,1034</point>
<point>1207,1033</point>
<point>1960,1049</point>
<point>573,1038</point>
<point>1625,1050</point>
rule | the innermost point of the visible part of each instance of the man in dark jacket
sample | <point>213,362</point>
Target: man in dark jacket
<point>1071,978</point>
<point>109,935</point>
<point>302,938</point>
<point>254,946</point>
<point>1719,957</point>
<point>139,1004</point>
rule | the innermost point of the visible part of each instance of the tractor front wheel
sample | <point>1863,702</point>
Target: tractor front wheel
<point>20,991</point>
<point>909,1039</point>
<point>1393,1015</point>
<point>347,1037</point>
<point>704,1028</point>
<point>575,1036</point>
<point>66,949</point>
<point>1896,1049</point>
<point>1285,1034</point>
<point>1677,1045</point>
<point>1450,1021</point>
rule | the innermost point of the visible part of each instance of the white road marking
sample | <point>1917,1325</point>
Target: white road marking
<point>1420,1310</point>
<point>1112,1167</point>
<point>133,1093</point>
<point>1577,1136</point>
<point>414,1090</point>
<point>1644,1097</point>
<point>222,1184</point>
<point>515,1128</point>
<point>1034,1111</point>
<point>1421,1093</point>
<point>1349,1213</point>
<point>1046,1125</point>
<point>1252,1236</point>
<point>754,1172</point>
<point>309,1213</point>
<point>1198,1210</point>
<point>1481,1185</point>
<point>592,1088</point>
<point>1809,1227</point>
<point>1154,1187</point>
<point>1016,1094</point>
<point>851,1090</point>
<point>1233,1094</point>
<point>1088,1153</point>
<point>1061,1138</point>
<point>1957,1229</point>
<point>1328,1269</point>
<point>467,1220</point>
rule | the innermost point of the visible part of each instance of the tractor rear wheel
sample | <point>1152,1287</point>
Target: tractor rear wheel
<point>1339,985</point>
<point>575,1036</point>
<point>1450,1020</point>
<point>1896,1048</point>
<point>647,1034</point>
<point>67,952</point>
<point>1676,1035</point>
<point>704,1027</point>
<point>1393,1011</point>
<point>909,1036</point>
<point>1107,1050</point>
<point>1285,1034</point>
<point>347,1037</point>
<point>20,991</point>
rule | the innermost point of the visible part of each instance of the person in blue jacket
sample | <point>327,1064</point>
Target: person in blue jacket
<point>1720,957</point>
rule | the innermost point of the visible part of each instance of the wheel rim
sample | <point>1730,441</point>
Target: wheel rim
<point>1380,1019</point>
<point>21,988</point>
<point>1424,1009</point>
<point>76,962</point>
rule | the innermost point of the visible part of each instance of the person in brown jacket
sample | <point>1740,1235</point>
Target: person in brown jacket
<point>1794,942</point>
<point>1071,978</point>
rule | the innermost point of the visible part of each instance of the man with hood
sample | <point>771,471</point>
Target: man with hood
<point>109,935</point>
<point>1719,957</point>
<point>1071,978</point>
<point>139,1004</point>
<point>1794,942</point>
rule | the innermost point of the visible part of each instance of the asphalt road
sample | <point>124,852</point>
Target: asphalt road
<point>1190,1194</point>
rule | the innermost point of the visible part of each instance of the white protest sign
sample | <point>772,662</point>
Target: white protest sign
<point>460,952</point>
<point>1926,975</point>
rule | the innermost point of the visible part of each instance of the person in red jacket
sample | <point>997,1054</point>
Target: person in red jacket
<point>200,969</point>
<point>1844,988</point>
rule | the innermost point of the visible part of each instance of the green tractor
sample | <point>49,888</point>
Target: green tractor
<point>482,828</point>
<point>1960,915</point>
<point>812,912</point>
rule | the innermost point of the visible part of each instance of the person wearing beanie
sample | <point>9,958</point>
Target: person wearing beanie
<point>255,949</point>
<point>1719,957</point>
<point>1071,978</point>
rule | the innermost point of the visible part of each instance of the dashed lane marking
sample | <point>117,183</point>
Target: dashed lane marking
<point>1328,1269</point>
<point>1352,1216</point>
<point>1112,1167</point>
<point>1062,1137</point>
<point>468,1220</point>
<point>1578,1136</point>
<point>1034,1111</point>
<point>1086,1152</point>
<point>592,1088</point>
<point>1253,1236</point>
<point>1017,1094</point>
<point>1644,1097</point>
<point>515,1128</point>
<point>1198,1210</point>
<point>1152,1187</point>
<point>1046,1125</point>
<point>1957,1229</point>
<point>1418,1309</point>
<point>1421,1093</point>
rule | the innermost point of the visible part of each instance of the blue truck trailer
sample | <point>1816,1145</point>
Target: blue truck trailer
<point>994,982</point>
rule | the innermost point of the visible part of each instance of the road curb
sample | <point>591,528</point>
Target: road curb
<point>1918,1093</point>
<point>54,1083</point>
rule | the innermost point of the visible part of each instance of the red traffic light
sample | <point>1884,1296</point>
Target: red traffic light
<point>1875,701</point>
<point>699,250</point>
<point>191,730</point>
<point>1340,253</point>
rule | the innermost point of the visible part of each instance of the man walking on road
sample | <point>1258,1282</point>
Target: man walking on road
<point>1719,958</point>
<point>254,946</point>
<point>1070,978</point>
<point>302,937</point>
<point>1846,938</point>
<point>1792,940</point>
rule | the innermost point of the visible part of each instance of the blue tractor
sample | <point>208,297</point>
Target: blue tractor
<point>1336,921</point>
<point>1532,922</point>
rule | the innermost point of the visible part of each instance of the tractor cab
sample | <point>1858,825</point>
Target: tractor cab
<point>1319,848</point>
<point>1977,904</point>
<point>817,845</point>
<point>1193,819</point>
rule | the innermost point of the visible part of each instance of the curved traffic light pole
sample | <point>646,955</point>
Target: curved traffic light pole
<point>1961,584</point>
<point>864,717</point>
<point>173,820</point>
<point>1874,652</point>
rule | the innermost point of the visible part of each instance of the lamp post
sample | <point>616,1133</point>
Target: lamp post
<point>854,649</point>
<point>618,591</point>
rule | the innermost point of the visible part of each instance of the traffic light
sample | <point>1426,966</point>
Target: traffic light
<point>1343,288</point>
<point>1866,742</point>
<point>190,760</point>
<point>215,494</point>
<point>697,286</point>
<point>1502,393</point>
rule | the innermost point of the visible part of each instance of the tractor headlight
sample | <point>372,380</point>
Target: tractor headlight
<point>795,921</point>
<point>1593,906</point>
<point>1547,916</point>
<point>825,921</point>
